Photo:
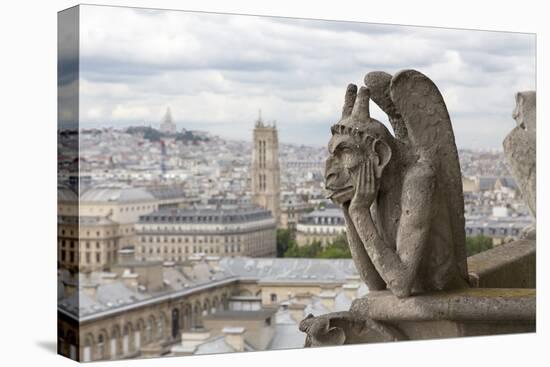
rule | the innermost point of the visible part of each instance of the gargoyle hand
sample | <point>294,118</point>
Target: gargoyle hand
<point>365,187</point>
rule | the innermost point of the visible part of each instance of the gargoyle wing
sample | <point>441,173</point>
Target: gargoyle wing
<point>430,134</point>
<point>379,83</point>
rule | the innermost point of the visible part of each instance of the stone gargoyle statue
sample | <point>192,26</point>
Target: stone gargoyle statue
<point>520,147</point>
<point>401,196</point>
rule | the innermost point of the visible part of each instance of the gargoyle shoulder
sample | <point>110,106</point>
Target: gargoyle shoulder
<point>422,173</point>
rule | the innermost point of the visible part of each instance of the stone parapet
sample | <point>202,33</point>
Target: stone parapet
<point>382,317</point>
<point>467,305</point>
<point>512,265</point>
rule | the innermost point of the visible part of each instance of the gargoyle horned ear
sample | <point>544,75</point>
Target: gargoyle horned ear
<point>349,100</point>
<point>382,156</point>
<point>361,106</point>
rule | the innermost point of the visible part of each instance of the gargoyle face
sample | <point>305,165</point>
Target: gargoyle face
<point>341,165</point>
<point>356,138</point>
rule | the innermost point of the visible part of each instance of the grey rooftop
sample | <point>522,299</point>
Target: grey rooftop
<point>113,296</point>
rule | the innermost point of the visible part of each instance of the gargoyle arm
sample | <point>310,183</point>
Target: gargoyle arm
<point>398,268</point>
<point>364,265</point>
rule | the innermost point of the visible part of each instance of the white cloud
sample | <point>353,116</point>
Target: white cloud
<point>215,71</point>
<point>130,112</point>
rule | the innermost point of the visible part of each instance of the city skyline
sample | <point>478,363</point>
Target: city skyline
<point>134,74</point>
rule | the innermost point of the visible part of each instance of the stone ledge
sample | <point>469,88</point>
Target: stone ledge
<point>467,305</point>
<point>512,265</point>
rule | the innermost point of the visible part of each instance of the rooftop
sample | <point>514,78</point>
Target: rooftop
<point>116,194</point>
<point>113,296</point>
<point>218,345</point>
<point>261,314</point>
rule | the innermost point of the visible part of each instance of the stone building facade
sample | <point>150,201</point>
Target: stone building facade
<point>322,225</point>
<point>177,234</point>
<point>150,325</point>
<point>93,228</point>
<point>292,209</point>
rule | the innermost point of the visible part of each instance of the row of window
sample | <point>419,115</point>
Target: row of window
<point>493,231</point>
<point>119,343</point>
<point>98,233</point>
<point>172,239</point>
<point>125,209</point>
<point>150,228</point>
<point>245,217</point>
<point>187,249</point>
<point>327,220</point>
<point>323,230</point>
<point>88,258</point>
<point>88,245</point>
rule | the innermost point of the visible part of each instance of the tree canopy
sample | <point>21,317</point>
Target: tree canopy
<point>337,249</point>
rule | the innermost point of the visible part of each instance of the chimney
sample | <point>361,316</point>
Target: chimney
<point>168,264</point>
<point>130,280</point>
<point>350,290</point>
<point>328,299</point>
<point>195,257</point>
<point>190,340</point>
<point>296,311</point>
<point>234,336</point>
<point>90,290</point>
<point>108,278</point>
<point>213,262</point>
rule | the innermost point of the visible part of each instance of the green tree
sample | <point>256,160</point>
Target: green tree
<point>333,252</point>
<point>283,241</point>
<point>292,250</point>
<point>477,244</point>
<point>337,249</point>
<point>310,250</point>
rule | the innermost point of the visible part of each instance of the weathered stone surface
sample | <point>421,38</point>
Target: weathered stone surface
<point>339,328</point>
<point>511,265</point>
<point>404,209</point>
<point>383,317</point>
<point>401,196</point>
<point>520,149</point>
<point>467,305</point>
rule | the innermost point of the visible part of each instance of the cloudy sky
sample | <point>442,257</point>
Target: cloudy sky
<point>216,71</point>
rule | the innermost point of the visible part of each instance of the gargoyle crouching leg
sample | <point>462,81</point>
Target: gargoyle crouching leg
<point>339,328</point>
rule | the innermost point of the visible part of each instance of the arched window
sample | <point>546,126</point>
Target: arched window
<point>175,323</point>
<point>87,351</point>
<point>160,326</point>
<point>206,307</point>
<point>138,334</point>
<point>126,339</point>
<point>197,322</point>
<point>115,334</point>
<point>214,305</point>
<point>71,339</point>
<point>101,346</point>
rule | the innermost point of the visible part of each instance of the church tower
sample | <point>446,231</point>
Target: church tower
<point>265,168</point>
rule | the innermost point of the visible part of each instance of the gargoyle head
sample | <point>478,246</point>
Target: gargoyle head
<point>356,138</point>
<point>525,111</point>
